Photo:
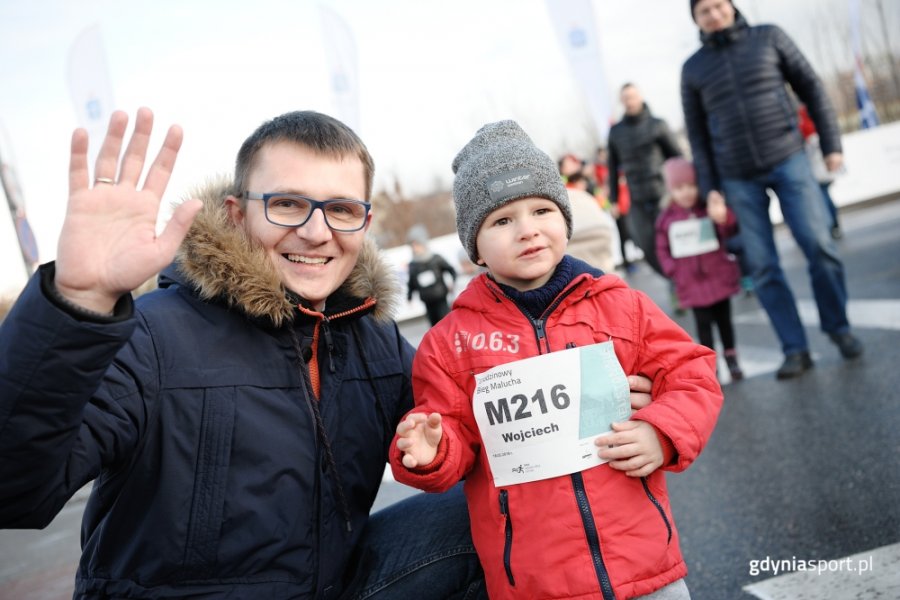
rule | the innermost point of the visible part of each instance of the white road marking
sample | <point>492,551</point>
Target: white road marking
<point>870,314</point>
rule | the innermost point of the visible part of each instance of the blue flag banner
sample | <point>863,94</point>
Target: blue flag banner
<point>868,117</point>
<point>27,244</point>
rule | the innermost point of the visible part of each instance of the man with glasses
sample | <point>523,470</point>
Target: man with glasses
<point>237,421</point>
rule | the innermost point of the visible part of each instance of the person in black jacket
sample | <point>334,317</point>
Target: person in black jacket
<point>638,145</point>
<point>427,271</point>
<point>236,421</point>
<point>744,138</point>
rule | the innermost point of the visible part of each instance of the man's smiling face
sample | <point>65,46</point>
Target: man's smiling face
<point>312,259</point>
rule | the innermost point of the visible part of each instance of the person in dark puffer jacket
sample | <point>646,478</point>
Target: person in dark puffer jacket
<point>744,139</point>
<point>237,420</point>
<point>637,146</point>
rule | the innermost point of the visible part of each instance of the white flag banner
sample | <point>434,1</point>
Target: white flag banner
<point>577,34</point>
<point>90,87</point>
<point>342,59</point>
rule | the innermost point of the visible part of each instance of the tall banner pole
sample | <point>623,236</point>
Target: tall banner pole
<point>576,32</point>
<point>27,242</point>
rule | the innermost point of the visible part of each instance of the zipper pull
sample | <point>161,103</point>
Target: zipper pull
<point>329,343</point>
<point>504,503</point>
<point>539,327</point>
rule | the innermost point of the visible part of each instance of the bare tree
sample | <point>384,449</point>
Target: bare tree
<point>398,214</point>
<point>833,55</point>
<point>891,105</point>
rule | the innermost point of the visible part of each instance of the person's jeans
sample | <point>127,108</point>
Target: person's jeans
<point>420,547</point>
<point>804,213</point>
<point>641,219</point>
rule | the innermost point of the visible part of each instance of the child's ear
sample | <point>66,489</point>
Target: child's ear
<point>480,262</point>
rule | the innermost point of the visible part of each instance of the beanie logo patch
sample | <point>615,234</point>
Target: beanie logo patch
<point>518,183</point>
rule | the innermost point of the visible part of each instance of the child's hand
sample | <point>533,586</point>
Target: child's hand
<point>639,395</point>
<point>715,208</point>
<point>419,436</point>
<point>632,447</point>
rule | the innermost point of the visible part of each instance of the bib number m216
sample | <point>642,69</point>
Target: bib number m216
<point>538,416</point>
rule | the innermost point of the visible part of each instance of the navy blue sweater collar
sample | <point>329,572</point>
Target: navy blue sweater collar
<point>536,301</point>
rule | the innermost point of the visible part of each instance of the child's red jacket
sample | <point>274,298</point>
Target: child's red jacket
<point>593,534</point>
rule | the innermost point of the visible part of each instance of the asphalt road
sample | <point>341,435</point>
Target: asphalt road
<point>800,470</point>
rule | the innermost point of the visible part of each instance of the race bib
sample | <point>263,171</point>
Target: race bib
<point>426,278</point>
<point>538,417</point>
<point>692,237</point>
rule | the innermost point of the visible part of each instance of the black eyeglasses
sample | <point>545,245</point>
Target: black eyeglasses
<point>294,210</point>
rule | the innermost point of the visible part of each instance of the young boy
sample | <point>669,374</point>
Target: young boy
<point>515,389</point>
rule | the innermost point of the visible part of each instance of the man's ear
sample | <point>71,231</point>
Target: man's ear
<point>235,212</point>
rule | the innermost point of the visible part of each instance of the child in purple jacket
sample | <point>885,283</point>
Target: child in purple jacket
<point>690,245</point>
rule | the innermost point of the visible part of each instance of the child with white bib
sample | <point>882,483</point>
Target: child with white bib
<point>690,245</point>
<point>521,391</point>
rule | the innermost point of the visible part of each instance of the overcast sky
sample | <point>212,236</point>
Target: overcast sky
<point>430,72</point>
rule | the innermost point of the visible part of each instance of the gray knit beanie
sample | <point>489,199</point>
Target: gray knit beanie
<point>501,164</point>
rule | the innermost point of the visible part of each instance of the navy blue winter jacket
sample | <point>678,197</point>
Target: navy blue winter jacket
<point>198,419</point>
<point>740,120</point>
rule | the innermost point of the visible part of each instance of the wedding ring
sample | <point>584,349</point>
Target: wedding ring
<point>104,180</point>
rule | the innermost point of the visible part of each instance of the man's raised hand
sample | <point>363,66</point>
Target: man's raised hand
<point>108,245</point>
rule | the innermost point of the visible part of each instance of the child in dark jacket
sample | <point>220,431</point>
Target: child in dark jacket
<point>521,391</point>
<point>690,244</point>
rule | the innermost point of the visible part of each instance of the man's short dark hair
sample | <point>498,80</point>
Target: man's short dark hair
<point>318,132</point>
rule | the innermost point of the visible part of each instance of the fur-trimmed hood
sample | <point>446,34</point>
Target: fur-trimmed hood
<point>219,261</point>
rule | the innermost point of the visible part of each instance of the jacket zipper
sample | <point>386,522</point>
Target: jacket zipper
<point>507,547</point>
<point>659,507</point>
<point>540,330</point>
<point>329,342</point>
<point>540,333</point>
<point>727,53</point>
<point>593,539</point>
<point>322,323</point>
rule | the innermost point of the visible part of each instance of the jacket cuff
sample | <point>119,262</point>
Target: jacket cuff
<point>668,448</point>
<point>123,310</point>
<point>438,460</point>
